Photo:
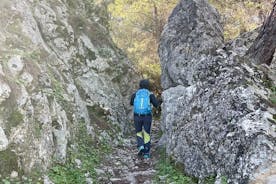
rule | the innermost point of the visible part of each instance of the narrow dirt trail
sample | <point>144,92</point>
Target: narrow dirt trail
<point>123,166</point>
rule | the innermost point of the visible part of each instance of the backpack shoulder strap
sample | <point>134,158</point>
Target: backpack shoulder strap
<point>148,91</point>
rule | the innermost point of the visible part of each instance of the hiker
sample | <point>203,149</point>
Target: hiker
<point>142,100</point>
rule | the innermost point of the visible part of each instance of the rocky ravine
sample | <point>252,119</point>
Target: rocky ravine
<point>59,67</point>
<point>217,117</point>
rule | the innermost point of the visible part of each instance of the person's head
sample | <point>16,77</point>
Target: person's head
<point>144,84</point>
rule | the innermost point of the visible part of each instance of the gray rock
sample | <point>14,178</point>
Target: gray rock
<point>59,69</point>
<point>1,70</point>
<point>14,174</point>
<point>4,142</point>
<point>271,179</point>
<point>47,180</point>
<point>15,64</point>
<point>216,118</point>
<point>5,91</point>
<point>197,34</point>
<point>89,181</point>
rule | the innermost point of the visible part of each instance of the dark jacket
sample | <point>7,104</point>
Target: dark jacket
<point>144,84</point>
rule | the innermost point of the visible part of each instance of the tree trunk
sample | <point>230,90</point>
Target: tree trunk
<point>157,33</point>
<point>263,48</point>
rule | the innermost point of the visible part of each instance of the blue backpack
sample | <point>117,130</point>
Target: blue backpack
<point>142,102</point>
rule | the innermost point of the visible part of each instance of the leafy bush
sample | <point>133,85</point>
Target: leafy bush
<point>241,16</point>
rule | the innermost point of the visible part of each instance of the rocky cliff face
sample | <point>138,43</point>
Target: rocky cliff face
<point>217,117</point>
<point>59,69</point>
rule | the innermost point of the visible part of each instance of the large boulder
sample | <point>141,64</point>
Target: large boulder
<point>59,69</point>
<point>217,117</point>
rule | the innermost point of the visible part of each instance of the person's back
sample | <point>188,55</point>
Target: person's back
<point>142,100</point>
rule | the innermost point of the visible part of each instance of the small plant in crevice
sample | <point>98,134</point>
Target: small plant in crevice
<point>82,159</point>
<point>58,90</point>
<point>212,180</point>
<point>105,52</point>
<point>169,172</point>
<point>223,180</point>
<point>272,96</point>
<point>15,118</point>
<point>209,180</point>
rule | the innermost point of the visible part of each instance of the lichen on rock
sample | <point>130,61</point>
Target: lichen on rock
<point>216,115</point>
<point>57,59</point>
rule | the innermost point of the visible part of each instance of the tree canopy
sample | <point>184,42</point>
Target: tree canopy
<point>240,16</point>
<point>136,26</point>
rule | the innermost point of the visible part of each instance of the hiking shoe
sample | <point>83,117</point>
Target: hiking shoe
<point>146,156</point>
<point>140,150</point>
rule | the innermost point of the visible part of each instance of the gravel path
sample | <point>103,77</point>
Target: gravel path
<point>123,166</point>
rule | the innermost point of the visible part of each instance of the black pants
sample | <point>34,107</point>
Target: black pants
<point>143,136</point>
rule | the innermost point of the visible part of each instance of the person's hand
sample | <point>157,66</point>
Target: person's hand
<point>160,100</point>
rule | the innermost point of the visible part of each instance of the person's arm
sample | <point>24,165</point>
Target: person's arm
<point>132,99</point>
<point>154,101</point>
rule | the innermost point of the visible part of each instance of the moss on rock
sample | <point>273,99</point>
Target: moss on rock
<point>8,162</point>
<point>14,119</point>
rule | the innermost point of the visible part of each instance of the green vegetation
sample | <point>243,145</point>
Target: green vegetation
<point>171,172</point>
<point>37,129</point>
<point>268,83</point>
<point>137,25</point>
<point>58,87</point>
<point>241,16</point>
<point>272,97</point>
<point>91,55</point>
<point>136,28</point>
<point>58,90</point>
<point>210,180</point>
<point>8,162</point>
<point>105,52</point>
<point>223,180</point>
<point>274,117</point>
<point>26,180</point>
<point>14,119</point>
<point>88,152</point>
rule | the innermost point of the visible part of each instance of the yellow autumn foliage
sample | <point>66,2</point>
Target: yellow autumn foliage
<point>136,26</point>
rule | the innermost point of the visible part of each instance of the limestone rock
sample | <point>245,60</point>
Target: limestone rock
<point>197,34</point>
<point>59,68</point>
<point>14,174</point>
<point>5,91</point>
<point>216,116</point>
<point>4,142</point>
<point>15,64</point>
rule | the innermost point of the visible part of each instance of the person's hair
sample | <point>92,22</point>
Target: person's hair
<point>144,84</point>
